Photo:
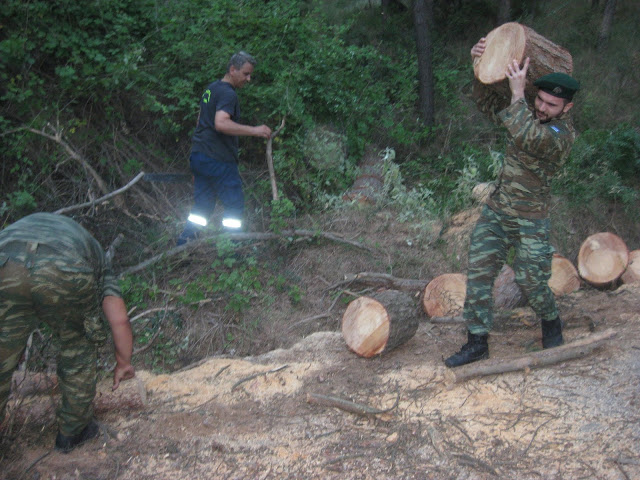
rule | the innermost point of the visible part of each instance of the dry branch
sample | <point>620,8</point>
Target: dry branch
<point>103,198</point>
<point>348,406</point>
<point>256,375</point>
<point>570,351</point>
<point>269,154</point>
<point>57,138</point>
<point>383,280</point>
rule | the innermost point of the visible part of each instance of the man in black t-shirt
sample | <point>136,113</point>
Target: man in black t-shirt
<point>214,151</point>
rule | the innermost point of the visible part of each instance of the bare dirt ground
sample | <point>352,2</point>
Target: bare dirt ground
<point>249,418</point>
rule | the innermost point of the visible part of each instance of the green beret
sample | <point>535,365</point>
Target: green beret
<point>558,84</point>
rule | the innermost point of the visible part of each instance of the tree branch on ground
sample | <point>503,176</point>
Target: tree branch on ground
<point>578,349</point>
<point>382,280</point>
<point>254,236</point>
<point>347,405</point>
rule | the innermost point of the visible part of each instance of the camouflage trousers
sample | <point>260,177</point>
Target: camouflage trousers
<point>491,240</point>
<point>39,285</point>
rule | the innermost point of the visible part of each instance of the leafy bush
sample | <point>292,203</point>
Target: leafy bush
<point>603,164</point>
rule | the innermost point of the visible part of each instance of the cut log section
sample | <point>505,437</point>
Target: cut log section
<point>516,41</point>
<point>444,295</point>
<point>507,294</point>
<point>380,322</point>
<point>602,259</point>
<point>632,273</point>
<point>482,191</point>
<point>564,276</point>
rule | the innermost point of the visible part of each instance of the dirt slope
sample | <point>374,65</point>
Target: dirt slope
<point>578,419</point>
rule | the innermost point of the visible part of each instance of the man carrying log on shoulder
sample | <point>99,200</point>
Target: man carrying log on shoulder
<point>516,213</point>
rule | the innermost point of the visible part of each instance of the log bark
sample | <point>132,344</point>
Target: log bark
<point>605,27</point>
<point>380,322</point>
<point>632,273</point>
<point>564,276</point>
<point>602,259</point>
<point>516,41</point>
<point>579,348</point>
<point>368,185</point>
<point>507,294</point>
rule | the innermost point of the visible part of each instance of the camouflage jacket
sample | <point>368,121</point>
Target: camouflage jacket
<point>69,240</point>
<point>535,152</point>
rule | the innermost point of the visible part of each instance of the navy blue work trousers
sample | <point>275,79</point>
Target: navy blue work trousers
<point>214,180</point>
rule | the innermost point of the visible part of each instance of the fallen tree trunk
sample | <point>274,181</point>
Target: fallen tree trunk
<point>257,236</point>
<point>570,351</point>
<point>384,280</point>
<point>369,183</point>
<point>379,323</point>
<point>516,41</point>
<point>602,259</point>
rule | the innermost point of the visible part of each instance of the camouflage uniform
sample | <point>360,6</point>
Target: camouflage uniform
<point>516,214</point>
<point>52,270</point>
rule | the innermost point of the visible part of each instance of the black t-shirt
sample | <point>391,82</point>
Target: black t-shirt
<point>218,95</point>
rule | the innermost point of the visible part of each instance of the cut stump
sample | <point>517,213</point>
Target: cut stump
<point>602,259</point>
<point>564,276</point>
<point>380,322</point>
<point>632,273</point>
<point>516,41</point>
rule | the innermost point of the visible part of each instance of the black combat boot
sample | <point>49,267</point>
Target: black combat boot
<point>476,348</point>
<point>552,333</point>
<point>66,443</point>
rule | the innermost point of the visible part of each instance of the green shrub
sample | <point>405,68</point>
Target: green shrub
<point>603,164</point>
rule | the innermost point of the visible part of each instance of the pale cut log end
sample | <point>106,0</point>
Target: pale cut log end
<point>602,259</point>
<point>444,295</point>
<point>632,273</point>
<point>365,326</point>
<point>504,44</point>
<point>564,276</point>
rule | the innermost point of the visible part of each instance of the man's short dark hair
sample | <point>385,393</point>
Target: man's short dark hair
<point>239,59</point>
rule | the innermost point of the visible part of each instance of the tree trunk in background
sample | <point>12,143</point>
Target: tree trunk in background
<point>423,21</point>
<point>504,12</point>
<point>607,21</point>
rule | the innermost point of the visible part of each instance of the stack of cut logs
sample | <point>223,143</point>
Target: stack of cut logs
<point>378,323</point>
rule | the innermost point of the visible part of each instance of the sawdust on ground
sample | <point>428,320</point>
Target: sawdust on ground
<point>249,418</point>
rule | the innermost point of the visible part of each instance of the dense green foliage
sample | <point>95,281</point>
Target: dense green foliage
<point>93,70</point>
